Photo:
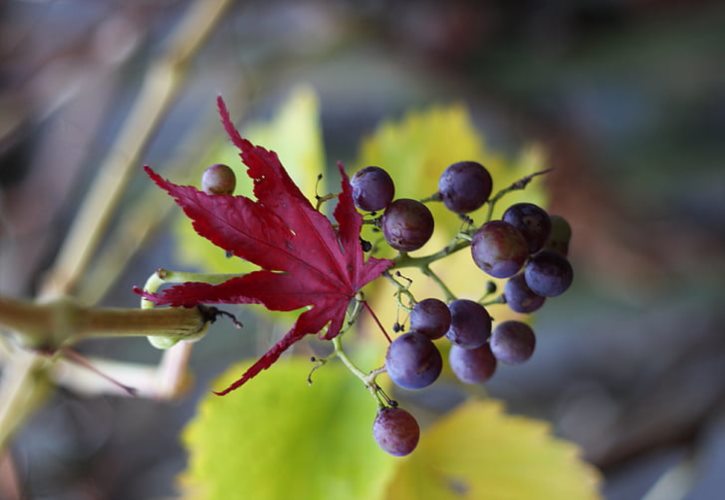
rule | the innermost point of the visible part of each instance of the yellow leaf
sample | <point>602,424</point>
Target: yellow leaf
<point>479,452</point>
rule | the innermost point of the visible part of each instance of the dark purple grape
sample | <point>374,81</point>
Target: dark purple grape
<point>532,221</point>
<point>519,296</point>
<point>407,224</point>
<point>513,342</point>
<point>413,361</point>
<point>396,431</point>
<point>431,317</point>
<point>218,179</point>
<point>548,274</point>
<point>560,235</point>
<point>499,249</point>
<point>470,324</point>
<point>372,189</point>
<point>472,366</point>
<point>465,186</point>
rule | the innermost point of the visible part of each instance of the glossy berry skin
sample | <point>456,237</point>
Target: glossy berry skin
<point>465,186</point>
<point>372,189</point>
<point>560,235</point>
<point>413,361</point>
<point>472,366</point>
<point>519,296</point>
<point>431,317</point>
<point>407,224</point>
<point>218,179</point>
<point>470,324</point>
<point>396,431</point>
<point>512,342</point>
<point>532,221</point>
<point>548,274</point>
<point>499,249</point>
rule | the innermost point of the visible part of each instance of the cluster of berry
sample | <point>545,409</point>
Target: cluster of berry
<point>526,245</point>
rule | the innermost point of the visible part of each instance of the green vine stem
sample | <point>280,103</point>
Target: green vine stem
<point>368,379</point>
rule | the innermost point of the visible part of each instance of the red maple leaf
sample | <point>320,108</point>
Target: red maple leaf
<point>305,261</point>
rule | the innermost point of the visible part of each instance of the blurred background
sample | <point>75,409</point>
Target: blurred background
<point>627,98</point>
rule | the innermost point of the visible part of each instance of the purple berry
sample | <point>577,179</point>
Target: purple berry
<point>513,342</point>
<point>372,189</point>
<point>519,296</point>
<point>470,324</point>
<point>499,249</point>
<point>465,186</point>
<point>431,317</point>
<point>548,274</point>
<point>532,221</point>
<point>413,361</point>
<point>560,235</point>
<point>396,431</point>
<point>407,224</point>
<point>472,366</point>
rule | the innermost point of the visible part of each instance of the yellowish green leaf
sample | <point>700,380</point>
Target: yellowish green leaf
<point>479,452</point>
<point>295,134</point>
<point>279,438</point>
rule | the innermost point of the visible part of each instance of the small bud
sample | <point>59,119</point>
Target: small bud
<point>218,179</point>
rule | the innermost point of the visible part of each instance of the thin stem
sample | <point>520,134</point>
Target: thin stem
<point>516,186</point>
<point>434,197</point>
<point>420,262</point>
<point>83,362</point>
<point>340,353</point>
<point>501,299</point>
<point>450,296</point>
<point>369,380</point>
<point>380,325</point>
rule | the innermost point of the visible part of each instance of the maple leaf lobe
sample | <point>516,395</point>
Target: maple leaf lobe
<point>304,261</point>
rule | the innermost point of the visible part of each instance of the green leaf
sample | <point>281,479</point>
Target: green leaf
<point>295,134</point>
<point>279,438</point>
<point>479,452</point>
